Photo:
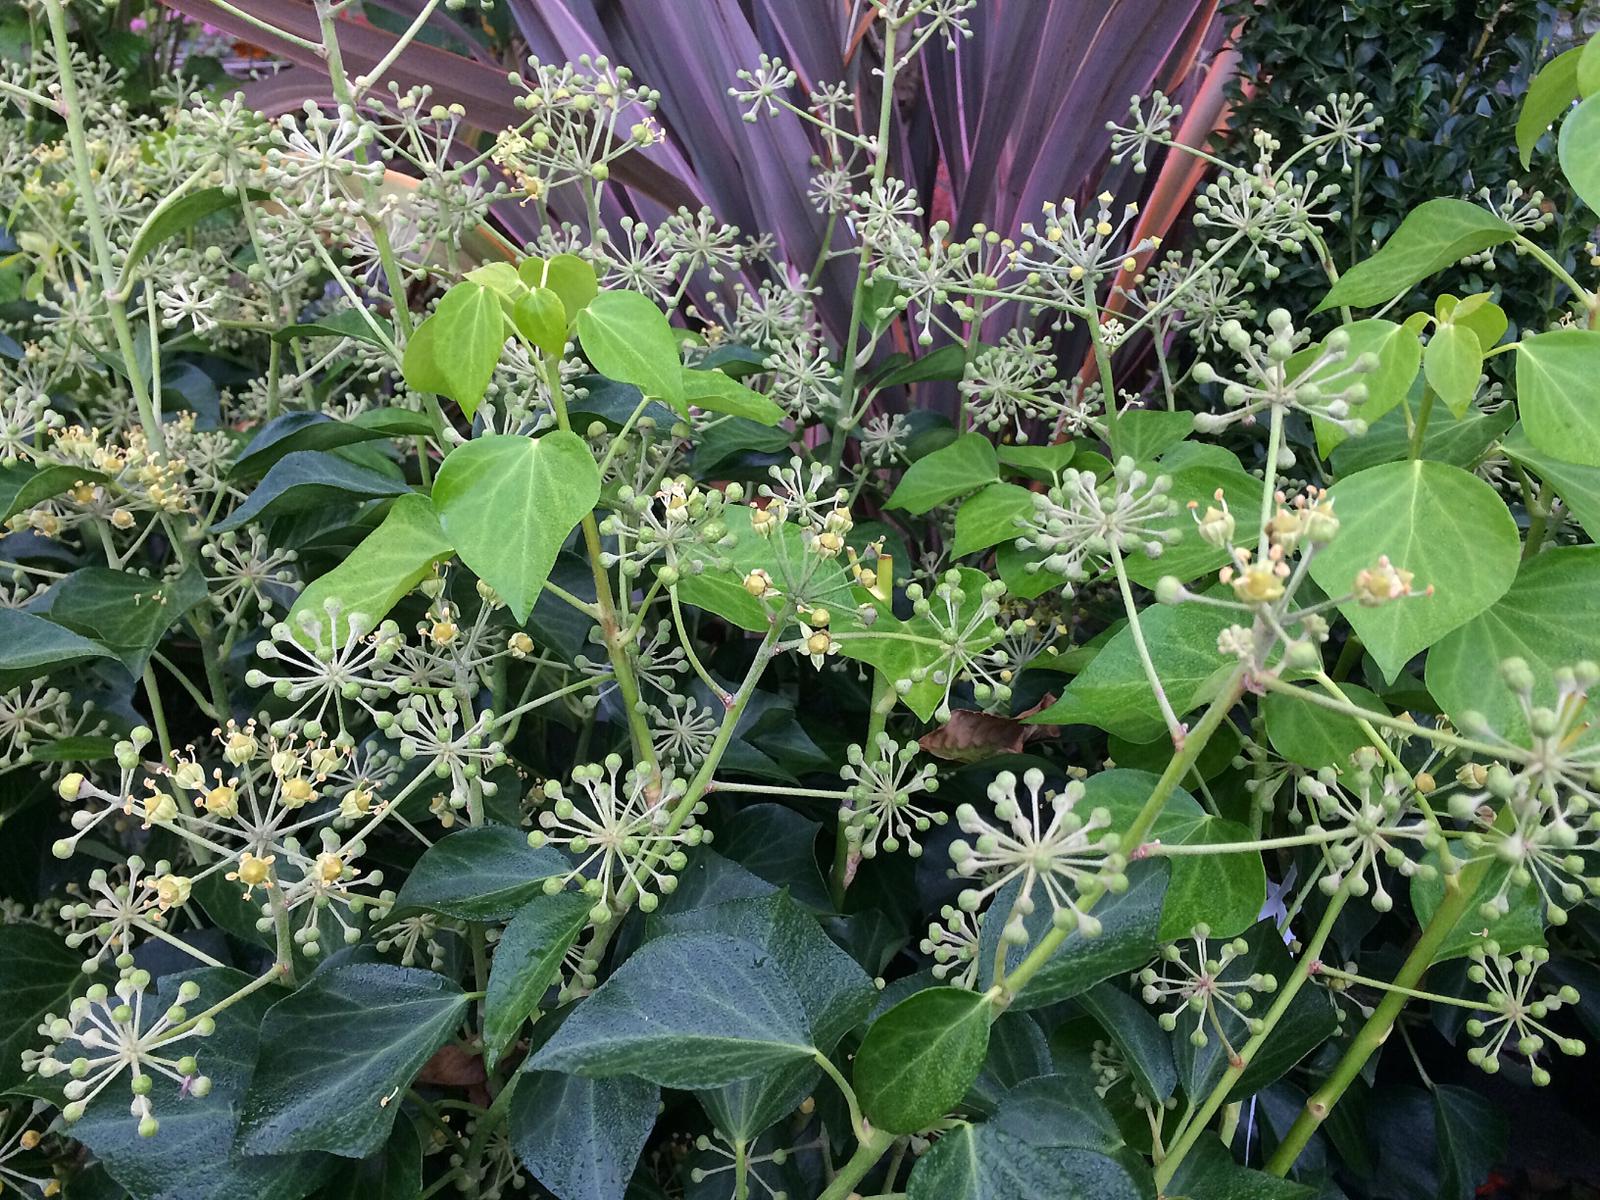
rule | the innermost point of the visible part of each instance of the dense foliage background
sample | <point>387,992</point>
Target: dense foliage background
<point>795,598</point>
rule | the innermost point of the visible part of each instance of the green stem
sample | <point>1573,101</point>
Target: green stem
<point>1174,726</point>
<point>877,715</point>
<point>880,168</point>
<point>873,1147</point>
<point>1538,521</point>
<point>1459,891</point>
<point>1007,989</point>
<point>610,628</point>
<point>1191,1130</point>
<point>83,169</point>
<point>158,716</point>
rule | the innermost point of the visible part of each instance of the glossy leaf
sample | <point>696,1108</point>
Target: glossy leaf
<point>1113,692</point>
<point>715,392</point>
<point>1130,933</point>
<point>197,1155</point>
<point>527,960</point>
<point>568,276</point>
<point>1577,485</point>
<point>627,338</point>
<point>1399,355</point>
<point>990,517</point>
<point>1133,1029</point>
<point>978,1162</point>
<point>1579,149</point>
<point>1550,94</point>
<point>1447,527</point>
<point>336,1055</point>
<point>343,323</point>
<point>1558,392</point>
<point>1545,619</point>
<point>965,465</point>
<point>318,431</point>
<point>691,1010</point>
<point>579,1137</point>
<point>391,560</point>
<point>31,648</point>
<point>1434,235</point>
<point>38,974</point>
<point>454,352</point>
<point>183,213</point>
<point>308,479</point>
<point>540,317</point>
<point>482,873</point>
<point>1313,737</point>
<point>507,503</point>
<point>1452,363</point>
<point>919,1058</point>
<point>23,487</point>
<point>128,614</point>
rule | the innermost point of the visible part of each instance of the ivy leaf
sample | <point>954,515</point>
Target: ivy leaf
<point>1037,462</point>
<point>23,486</point>
<point>989,517</point>
<point>1470,1135</point>
<point>965,465</point>
<point>581,1137</point>
<point>336,1054</point>
<point>1452,363</point>
<point>1579,148</point>
<point>307,479</point>
<point>390,561</point>
<point>31,648</point>
<point>1144,433</point>
<point>1443,524</point>
<point>1209,1170</point>
<point>692,1010</point>
<point>1399,355</point>
<point>1113,693</point>
<point>393,1173</point>
<point>1545,619</point>
<point>834,992</point>
<point>196,1154</point>
<point>979,1162</point>
<point>38,974</point>
<point>1144,1044</point>
<point>627,338</point>
<point>919,1058</point>
<point>454,352</point>
<point>345,323</point>
<point>540,317</point>
<point>1434,235</point>
<point>527,959</point>
<point>184,213</point>
<point>1313,737</point>
<point>1558,389</point>
<point>568,276</point>
<point>1550,94</point>
<point>1130,933</point>
<point>484,873</point>
<point>507,503</point>
<point>718,393</point>
<point>318,431</point>
<point>1578,486</point>
<point>1197,471</point>
<point>128,614</point>
<point>1225,892</point>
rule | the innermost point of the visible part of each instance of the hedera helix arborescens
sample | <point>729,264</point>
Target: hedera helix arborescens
<point>509,732</point>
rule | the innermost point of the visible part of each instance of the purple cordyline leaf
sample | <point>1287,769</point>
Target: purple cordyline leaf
<point>481,90</point>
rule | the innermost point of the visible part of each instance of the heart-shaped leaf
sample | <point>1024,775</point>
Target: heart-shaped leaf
<point>507,503</point>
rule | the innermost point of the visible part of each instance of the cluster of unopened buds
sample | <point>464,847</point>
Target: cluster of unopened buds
<point>1081,523</point>
<point>622,833</point>
<point>1520,1010</point>
<point>1206,988</point>
<point>1044,844</point>
<point>1277,377</point>
<point>882,812</point>
<point>108,1033</point>
<point>1551,794</point>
